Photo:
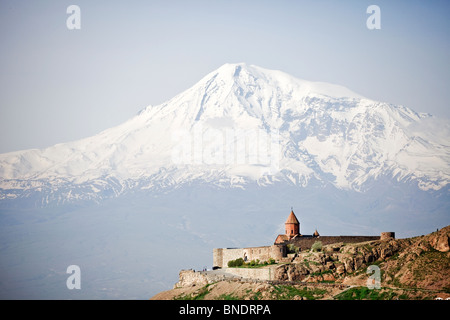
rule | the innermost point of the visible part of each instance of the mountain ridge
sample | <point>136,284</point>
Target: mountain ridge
<point>303,130</point>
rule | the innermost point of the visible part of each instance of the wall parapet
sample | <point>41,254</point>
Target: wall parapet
<point>305,243</point>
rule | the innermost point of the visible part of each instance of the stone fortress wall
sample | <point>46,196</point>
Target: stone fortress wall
<point>305,243</point>
<point>221,256</point>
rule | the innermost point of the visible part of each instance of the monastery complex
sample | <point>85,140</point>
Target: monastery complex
<point>291,238</point>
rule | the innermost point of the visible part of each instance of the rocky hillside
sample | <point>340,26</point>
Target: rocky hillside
<point>412,268</point>
<point>419,262</point>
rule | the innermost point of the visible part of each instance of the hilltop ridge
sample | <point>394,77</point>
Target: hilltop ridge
<point>410,268</point>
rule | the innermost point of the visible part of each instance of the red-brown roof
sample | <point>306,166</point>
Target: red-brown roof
<point>281,238</point>
<point>292,218</point>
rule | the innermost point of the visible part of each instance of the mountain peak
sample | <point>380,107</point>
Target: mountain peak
<point>254,78</point>
<point>237,70</point>
<point>242,91</point>
<point>324,132</point>
<point>232,67</point>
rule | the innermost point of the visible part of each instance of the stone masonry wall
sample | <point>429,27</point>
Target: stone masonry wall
<point>307,242</point>
<point>265,273</point>
<point>222,256</point>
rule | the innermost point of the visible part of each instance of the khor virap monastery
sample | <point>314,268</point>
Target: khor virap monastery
<point>278,250</point>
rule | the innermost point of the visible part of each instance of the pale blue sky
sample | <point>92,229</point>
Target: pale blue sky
<point>59,85</point>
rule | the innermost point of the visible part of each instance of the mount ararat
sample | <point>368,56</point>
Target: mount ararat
<point>240,124</point>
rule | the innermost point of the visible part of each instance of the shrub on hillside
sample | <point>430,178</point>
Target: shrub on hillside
<point>317,246</point>
<point>235,263</point>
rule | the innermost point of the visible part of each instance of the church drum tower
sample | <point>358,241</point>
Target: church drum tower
<point>292,226</point>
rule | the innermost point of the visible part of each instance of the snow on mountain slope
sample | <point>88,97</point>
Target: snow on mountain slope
<point>241,123</point>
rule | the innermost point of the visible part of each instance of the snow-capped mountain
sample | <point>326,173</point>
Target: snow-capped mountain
<point>240,124</point>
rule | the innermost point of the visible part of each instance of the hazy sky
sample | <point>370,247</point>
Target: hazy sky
<point>59,85</point>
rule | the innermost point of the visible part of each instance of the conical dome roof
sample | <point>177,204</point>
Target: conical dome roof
<point>292,219</point>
